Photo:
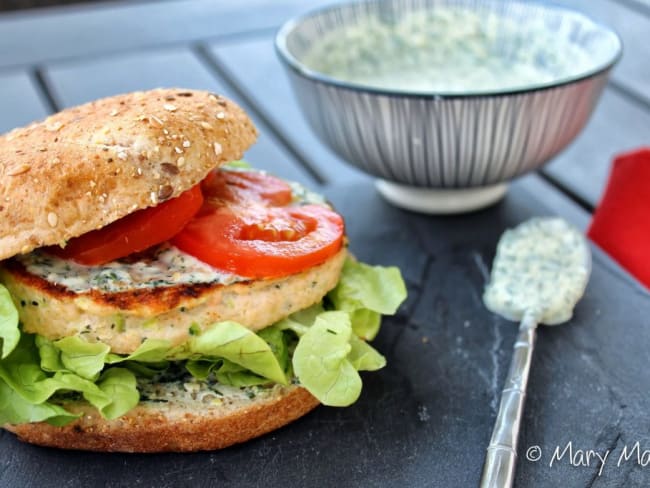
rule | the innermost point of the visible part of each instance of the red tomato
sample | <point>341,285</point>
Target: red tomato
<point>257,241</point>
<point>237,186</point>
<point>246,227</point>
<point>133,233</point>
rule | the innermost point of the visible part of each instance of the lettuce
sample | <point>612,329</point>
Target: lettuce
<point>9,333</point>
<point>367,292</point>
<point>320,360</point>
<point>239,345</point>
<point>322,347</point>
<point>113,392</point>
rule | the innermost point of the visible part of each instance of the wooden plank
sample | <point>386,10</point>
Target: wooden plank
<point>633,71</point>
<point>20,100</point>
<point>255,69</point>
<point>73,83</point>
<point>617,125</point>
<point>52,34</point>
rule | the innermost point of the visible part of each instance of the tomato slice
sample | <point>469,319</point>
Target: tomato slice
<point>133,233</point>
<point>240,186</point>
<point>257,241</point>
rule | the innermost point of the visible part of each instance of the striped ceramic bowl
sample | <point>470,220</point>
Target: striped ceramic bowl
<point>448,151</point>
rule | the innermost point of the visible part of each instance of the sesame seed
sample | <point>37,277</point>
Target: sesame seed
<point>180,162</point>
<point>169,168</point>
<point>92,184</point>
<point>52,219</point>
<point>178,150</point>
<point>205,125</point>
<point>217,148</point>
<point>54,127</point>
<point>139,171</point>
<point>121,155</point>
<point>18,170</point>
<point>114,112</point>
<point>220,115</point>
<point>165,192</point>
<point>156,120</point>
<point>187,143</point>
<point>169,107</point>
<point>165,131</point>
<point>153,197</point>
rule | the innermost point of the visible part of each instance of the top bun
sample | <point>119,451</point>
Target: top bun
<point>90,165</point>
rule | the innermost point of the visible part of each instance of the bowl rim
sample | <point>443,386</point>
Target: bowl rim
<point>280,43</point>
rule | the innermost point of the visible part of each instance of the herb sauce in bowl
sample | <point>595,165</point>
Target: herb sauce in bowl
<point>447,50</point>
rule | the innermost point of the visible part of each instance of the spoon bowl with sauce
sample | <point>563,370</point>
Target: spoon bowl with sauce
<point>540,271</point>
<point>445,101</point>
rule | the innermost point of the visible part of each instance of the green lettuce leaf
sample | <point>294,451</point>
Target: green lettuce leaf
<point>236,343</point>
<point>119,385</point>
<point>321,363</point>
<point>14,409</point>
<point>114,394</point>
<point>9,332</point>
<point>150,351</point>
<point>86,359</point>
<point>365,292</point>
<point>363,356</point>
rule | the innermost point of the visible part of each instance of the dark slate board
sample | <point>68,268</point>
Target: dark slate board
<point>425,420</point>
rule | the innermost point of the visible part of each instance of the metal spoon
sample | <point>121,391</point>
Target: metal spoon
<point>539,273</point>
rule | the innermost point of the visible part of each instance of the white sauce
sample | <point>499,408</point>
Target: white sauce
<point>170,266</point>
<point>448,50</point>
<point>541,268</point>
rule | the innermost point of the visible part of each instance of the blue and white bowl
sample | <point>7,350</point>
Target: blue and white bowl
<point>447,152</point>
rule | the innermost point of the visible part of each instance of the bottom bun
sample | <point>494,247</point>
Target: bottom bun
<point>175,426</point>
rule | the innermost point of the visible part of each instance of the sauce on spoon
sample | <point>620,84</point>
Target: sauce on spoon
<point>539,273</point>
<point>541,268</point>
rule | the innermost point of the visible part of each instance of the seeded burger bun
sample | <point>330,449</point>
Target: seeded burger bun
<point>88,166</point>
<point>135,354</point>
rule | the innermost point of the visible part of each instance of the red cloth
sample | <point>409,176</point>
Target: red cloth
<point>621,223</point>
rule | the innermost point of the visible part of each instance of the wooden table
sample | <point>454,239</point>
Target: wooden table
<point>425,420</point>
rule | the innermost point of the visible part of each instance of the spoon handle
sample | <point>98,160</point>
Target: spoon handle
<point>501,457</point>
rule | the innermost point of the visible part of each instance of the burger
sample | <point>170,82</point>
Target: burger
<point>158,294</point>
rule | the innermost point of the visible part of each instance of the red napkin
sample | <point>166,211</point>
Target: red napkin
<point>621,223</point>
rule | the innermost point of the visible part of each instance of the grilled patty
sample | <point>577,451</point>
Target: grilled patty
<point>124,312</point>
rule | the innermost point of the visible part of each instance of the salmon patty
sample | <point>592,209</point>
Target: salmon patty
<point>164,294</point>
